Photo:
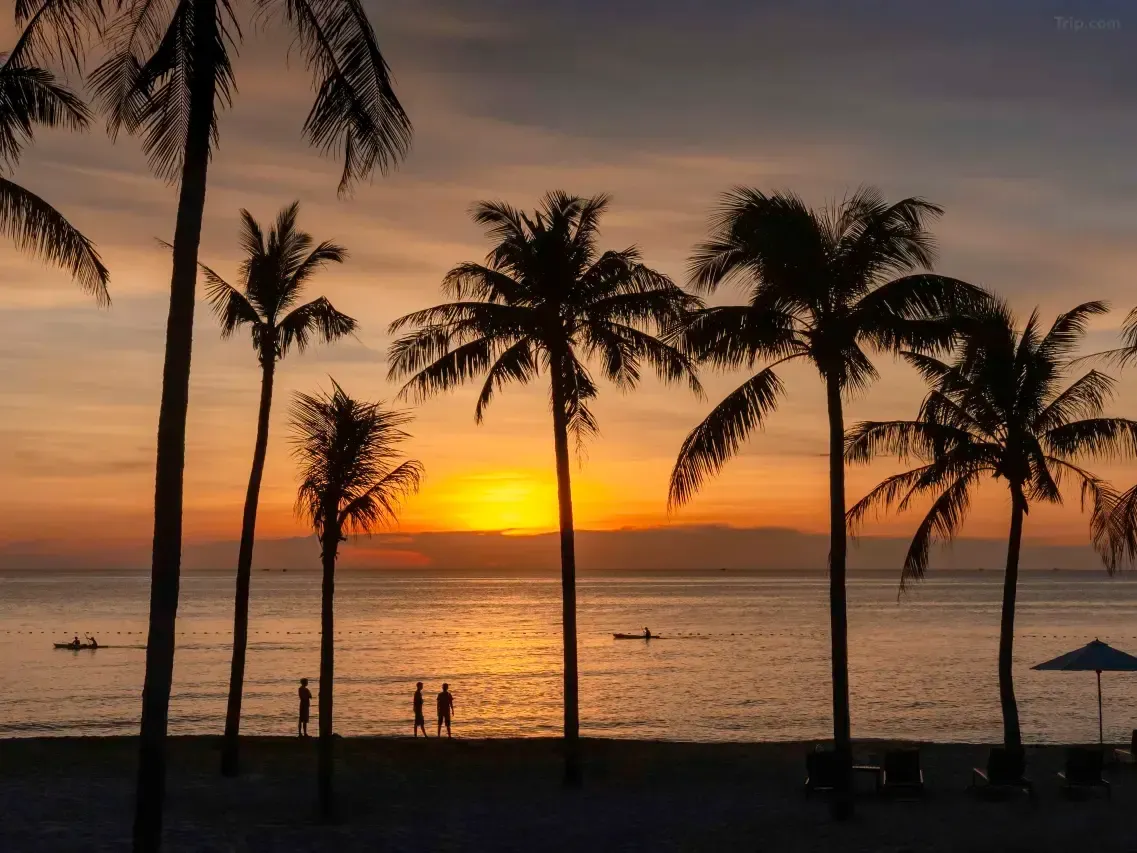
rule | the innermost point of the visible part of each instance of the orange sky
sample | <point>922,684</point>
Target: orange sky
<point>1030,166</point>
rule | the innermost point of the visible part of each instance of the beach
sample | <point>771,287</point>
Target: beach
<point>76,794</point>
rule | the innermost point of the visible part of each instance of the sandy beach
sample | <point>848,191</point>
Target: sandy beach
<point>397,794</point>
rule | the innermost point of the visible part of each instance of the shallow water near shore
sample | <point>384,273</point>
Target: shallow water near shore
<point>744,657</point>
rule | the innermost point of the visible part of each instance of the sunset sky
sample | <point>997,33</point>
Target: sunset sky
<point>1023,129</point>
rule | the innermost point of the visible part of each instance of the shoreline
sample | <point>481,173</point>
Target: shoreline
<point>505,794</point>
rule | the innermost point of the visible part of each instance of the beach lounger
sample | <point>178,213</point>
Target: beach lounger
<point>1083,771</point>
<point>1005,773</point>
<point>902,773</point>
<point>1127,756</point>
<point>822,771</point>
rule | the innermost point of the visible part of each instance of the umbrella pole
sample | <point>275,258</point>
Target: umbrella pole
<point>1101,729</point>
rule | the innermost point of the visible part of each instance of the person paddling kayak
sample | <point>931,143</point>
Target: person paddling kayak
<point>647,634</point>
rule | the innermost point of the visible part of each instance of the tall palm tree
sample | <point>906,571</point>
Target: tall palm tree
<point>167,75</point>
<point>819,288</point>
<point>30,96</point>
<point>547,300</point>
<point>353,480</point>
<point>274,274</point>
<point>999,409</point>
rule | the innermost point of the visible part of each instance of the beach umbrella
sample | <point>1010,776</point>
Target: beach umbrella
<point>1096,657</point>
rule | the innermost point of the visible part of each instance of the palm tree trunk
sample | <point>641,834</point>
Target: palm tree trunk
<point>1012,736</point>
<point>838,618</point>
<point>229,750</point>
<point>573,776</point>
<point>166,564</point>
<point>331,541</point>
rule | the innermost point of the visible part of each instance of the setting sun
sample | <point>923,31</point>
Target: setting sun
<point>499,500</point>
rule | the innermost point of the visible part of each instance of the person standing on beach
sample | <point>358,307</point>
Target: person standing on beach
<point>305,708</point>
<point>420,720</point>
<point>445,707</point>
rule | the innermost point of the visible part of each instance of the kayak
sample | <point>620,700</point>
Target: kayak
<point>74,647</point>
<point>635,637</point>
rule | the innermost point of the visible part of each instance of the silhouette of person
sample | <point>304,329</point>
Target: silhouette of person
<point>305,708</point>
<point>445,708</point>
<point>647,634</point>
<point>76,642</point>
<point>420,720</point>
<point>94,642</point>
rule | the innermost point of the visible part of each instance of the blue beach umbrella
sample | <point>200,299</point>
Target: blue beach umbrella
<point>1096,657</point>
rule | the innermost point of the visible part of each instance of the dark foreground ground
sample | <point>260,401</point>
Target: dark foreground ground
<point>504,795</point>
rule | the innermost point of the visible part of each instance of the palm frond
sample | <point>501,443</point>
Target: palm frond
<point>318,319</point>
<point>477,281</point>
<point>736,336</point>
<point>379,504</point>
<point>30,96</point>
<point>229,305</point>
<point>356,115</point>
<point>943,521</point>
<point>904,440</point>
<point>1084,398</point>
<point>917,312</point>
<point>1068,330</point>
<point>39,229</point>
<point>1101,438</point>
<point>156,49</point>
<point>771,238</point>
<point>884,495</point>
<point>56,30</point>
<point>516,364</point>
<point>1114,529</point>
<point>718,437</point>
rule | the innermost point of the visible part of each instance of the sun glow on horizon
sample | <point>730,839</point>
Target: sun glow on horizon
<point>523,501</point>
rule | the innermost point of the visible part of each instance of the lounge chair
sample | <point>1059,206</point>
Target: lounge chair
<point>823,771</point>
<point>1127,756</point>
<point>902,773</point>
<point>1005,773</point>
<point>1083,771</point>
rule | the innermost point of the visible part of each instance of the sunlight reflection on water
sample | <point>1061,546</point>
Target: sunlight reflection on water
<point>748,657</point>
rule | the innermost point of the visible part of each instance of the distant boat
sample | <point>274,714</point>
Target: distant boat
<point>76,648</point>
<point>636,637</point>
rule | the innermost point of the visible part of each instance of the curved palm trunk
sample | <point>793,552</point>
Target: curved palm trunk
<point>573,774</point>
<point>229,751</point>
<point>1012,736</point>
<point>838,618</point>
<point>331,541</point>
<point>166,564</point>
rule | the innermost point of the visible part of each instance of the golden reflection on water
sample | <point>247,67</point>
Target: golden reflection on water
<point>748,658</point>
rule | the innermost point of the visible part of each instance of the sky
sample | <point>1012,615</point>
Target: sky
<point>1018,117</point>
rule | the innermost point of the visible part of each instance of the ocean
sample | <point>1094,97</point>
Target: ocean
<point>744,657</point>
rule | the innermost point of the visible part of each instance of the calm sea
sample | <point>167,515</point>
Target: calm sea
<point>746,659</point>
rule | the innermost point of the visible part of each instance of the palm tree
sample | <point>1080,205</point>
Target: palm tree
<point>167,75</point>
<point>30,96</point>
<point>819,288</point>
<point>352,480</point>
<point>999,409</point>
<point>274,275</point>
<point>547,299</point>
<point>1116,528</point>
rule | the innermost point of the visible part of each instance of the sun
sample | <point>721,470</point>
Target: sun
<point>500,500</point>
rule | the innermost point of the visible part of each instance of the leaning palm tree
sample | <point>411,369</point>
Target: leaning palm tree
<point>547,300</point>
<point>353,480</point>
<point>167,75</point>
<point>30,96</point>
<point>274,274</point>
<point>999,410</point>
<point>819,288</point>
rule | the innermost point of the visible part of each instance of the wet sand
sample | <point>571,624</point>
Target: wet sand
<point>75,794</point>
